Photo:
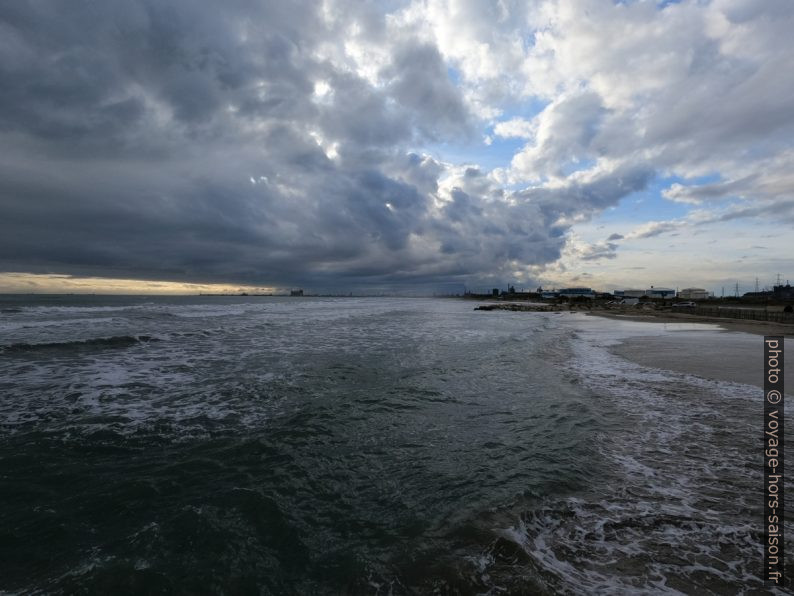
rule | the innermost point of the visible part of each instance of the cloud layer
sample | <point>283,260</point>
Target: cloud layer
<point>302,143</point>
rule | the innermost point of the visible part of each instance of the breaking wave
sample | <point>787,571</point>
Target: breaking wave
<point>119,341</point>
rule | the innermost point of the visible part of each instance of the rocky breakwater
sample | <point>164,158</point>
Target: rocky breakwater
<point>563,307</point>
<point>527,307</point>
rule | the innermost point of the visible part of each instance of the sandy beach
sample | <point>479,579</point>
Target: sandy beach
<point>731,357</point>
<point>741,325</point>
<point>650,316</point>
<point>717,348</point>
<point>733,352</point>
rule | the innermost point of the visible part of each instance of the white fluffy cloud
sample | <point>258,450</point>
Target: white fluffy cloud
<point>693,89</point>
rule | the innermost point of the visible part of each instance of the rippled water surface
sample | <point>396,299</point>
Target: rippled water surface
<point>362,446</point>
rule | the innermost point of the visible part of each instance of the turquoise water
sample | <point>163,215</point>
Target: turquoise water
<point>360,446</point>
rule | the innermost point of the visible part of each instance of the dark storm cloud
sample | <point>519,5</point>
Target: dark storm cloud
<point>225,142</point>
<point>418,80</point>
<point>584,197</point>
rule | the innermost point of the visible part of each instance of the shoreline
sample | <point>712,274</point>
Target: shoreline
<point>727,324</point>
<point>647,315</point>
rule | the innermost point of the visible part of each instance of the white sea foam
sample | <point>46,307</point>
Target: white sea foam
<point>684,507</point>
<point>133,385</point>
<point>674,509</point>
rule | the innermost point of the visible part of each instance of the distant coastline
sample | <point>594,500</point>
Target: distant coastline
<point>649,315</point>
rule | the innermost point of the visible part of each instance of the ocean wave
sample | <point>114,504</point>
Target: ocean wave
<point>74,309</point>
<point>17,325</point>
<point>678,510</point>
<point>118,341</point>
<point>177,310</point>
<point>627,545</point>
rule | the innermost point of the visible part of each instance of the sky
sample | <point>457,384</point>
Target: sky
<point>155,146</point>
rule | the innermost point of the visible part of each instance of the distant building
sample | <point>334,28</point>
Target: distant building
<point>782,292</point>
<point>577,292</point>
<point>629,293</point>
<point>660,292</point>
<point>548,295</point>
<point>693,294</point>
<point>779,292</point>
<point>296,293</point>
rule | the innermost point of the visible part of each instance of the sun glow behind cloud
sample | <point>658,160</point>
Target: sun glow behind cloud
<point>27,283</point>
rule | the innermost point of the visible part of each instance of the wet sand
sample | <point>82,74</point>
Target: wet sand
<point>729,351</point>
<point>717,348</point>
<point>724,357</point>
<point>741,325</point>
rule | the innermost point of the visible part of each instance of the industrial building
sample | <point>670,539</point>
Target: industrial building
<point>778,292</point>
<point>660,292</point>
<point>577,292</point>
<point>781,292</point>
<point>693,294</point>
<point>629,293</point>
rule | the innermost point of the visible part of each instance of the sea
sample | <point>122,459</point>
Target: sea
<point>277,445</point>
